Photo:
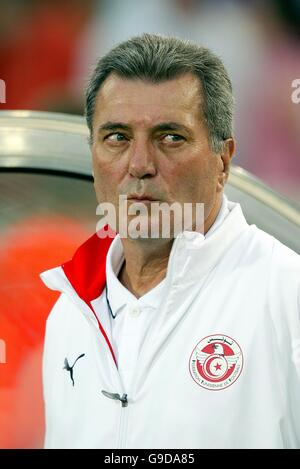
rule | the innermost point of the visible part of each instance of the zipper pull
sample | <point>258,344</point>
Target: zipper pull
<point>116,396</point>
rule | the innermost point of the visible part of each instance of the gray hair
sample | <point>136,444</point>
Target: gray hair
<point>156,58</point>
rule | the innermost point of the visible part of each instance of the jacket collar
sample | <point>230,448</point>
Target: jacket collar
<point>193,255</point>
<point>118,295</point>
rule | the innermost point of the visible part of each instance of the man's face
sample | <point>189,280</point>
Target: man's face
<point>151,140</point>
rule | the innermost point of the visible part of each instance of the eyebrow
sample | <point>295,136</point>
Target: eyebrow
<point>162,127</point>
<point>113,126</point>
<point>165,126</point>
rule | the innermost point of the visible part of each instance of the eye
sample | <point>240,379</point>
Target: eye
<point>172,138</point>
<point>115,137</point>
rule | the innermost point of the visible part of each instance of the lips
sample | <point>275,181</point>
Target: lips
<point>141,197</point>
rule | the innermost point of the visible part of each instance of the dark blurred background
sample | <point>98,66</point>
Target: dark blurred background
<point>48,47</point>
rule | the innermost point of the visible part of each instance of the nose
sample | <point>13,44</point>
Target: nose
<point>142,160</point>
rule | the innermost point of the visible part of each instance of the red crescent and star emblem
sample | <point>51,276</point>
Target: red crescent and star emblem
<point>216,362</point>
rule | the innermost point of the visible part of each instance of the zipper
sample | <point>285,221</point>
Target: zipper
<point>122,436</point>
<point>116,396</point>
<point>121,441</point>
<point>115,384</point>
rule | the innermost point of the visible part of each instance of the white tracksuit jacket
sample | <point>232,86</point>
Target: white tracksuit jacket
<point>220,367</point>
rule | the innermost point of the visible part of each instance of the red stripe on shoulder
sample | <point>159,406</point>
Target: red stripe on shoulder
<point>86,271</point>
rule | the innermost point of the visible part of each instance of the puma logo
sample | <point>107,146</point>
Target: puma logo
<point>70,368</point>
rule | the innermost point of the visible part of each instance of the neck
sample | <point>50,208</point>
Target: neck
<point>146,260</point>
<point>145,265</point>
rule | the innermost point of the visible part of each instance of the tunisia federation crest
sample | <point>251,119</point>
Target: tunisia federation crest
<point>216,362</point>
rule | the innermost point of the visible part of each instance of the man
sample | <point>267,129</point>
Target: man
<point>183,341</point>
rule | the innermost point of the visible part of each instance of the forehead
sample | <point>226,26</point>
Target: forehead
<point>138,101</point>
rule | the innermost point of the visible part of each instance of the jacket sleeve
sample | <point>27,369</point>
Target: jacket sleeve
<point>294,384</point>
<point>284,300</point>
<point>51,347</point>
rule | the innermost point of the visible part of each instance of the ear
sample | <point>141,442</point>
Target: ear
<point>226,155</point>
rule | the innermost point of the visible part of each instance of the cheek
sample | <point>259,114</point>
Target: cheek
<point>102,178</point>
<point>196,179</point>
<point>107,178</point>
<point>190,174</point>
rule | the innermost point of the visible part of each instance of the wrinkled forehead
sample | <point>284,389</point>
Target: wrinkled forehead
<point>146,102</point>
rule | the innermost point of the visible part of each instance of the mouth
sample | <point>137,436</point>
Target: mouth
<point>142,198</point>
<point>144,201</point>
